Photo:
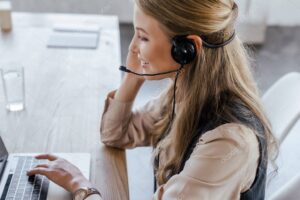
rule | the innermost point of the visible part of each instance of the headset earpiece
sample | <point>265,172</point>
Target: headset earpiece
<point>183,50</point>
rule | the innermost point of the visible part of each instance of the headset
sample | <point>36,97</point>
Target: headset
<point>183,51</point>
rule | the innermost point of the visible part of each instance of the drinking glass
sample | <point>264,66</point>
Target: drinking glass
<point>14,86</point>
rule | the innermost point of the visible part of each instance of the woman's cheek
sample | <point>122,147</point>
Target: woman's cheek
<point>146,52</point>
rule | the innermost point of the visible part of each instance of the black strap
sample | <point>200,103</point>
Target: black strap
<point>215,46</point>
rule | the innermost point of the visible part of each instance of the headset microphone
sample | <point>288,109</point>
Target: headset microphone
<point>125,69</point>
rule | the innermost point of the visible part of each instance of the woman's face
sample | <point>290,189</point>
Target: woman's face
<point>152,46</point>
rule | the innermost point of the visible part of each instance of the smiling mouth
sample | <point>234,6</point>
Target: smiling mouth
<point>145,64</point>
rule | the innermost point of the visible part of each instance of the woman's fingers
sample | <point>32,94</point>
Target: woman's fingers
<point>50,157</point>
<point>42,166</point>
<point>38,170</point>
<point>61,172</point>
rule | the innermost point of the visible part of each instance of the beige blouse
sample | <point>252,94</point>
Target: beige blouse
<point>222,165</point>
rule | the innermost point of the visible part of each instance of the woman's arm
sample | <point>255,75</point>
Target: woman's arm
<point>129,88</point>
<point>120,126</point>
<point>123,128</point>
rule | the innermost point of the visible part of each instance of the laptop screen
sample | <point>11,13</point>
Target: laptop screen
<point>3,156</point>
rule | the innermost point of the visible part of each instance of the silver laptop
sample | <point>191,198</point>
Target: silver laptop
<point>15,184</point>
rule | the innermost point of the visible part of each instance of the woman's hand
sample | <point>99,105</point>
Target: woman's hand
<point>131,83</point>
<point>61,172</point>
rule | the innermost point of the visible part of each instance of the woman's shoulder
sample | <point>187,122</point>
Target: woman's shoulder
<point>228,153</point>
<point>233,134</point>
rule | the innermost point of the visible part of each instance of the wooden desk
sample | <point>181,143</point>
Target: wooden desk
<point>65,93</point>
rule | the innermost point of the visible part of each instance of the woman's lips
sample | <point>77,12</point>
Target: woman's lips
<point>145,65</point>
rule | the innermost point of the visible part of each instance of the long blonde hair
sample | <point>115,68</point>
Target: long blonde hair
<point>213,73</point>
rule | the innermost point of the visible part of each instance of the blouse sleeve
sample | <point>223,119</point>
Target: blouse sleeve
<point>94,197</point>
<point>123,128</point>
<point>222,165</point>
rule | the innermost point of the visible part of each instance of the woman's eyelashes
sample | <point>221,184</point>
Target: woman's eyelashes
<point>144,39</point>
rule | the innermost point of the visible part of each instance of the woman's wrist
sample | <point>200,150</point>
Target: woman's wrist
<point>78,183</point>
<point>129,88</point>
<point>133,80</point>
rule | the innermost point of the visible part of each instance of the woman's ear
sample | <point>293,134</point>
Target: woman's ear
<point>197,40</point>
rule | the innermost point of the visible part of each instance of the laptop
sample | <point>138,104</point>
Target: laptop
<point>16,185</point>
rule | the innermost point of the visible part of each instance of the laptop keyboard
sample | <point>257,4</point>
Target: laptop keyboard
<point>21,187</point>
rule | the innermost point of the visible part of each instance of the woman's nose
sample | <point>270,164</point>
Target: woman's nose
<point>133,47</point>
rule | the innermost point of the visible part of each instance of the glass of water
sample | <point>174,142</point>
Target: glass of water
<point>14,86</point>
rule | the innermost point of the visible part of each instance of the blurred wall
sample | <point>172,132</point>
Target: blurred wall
<point>122,8</point>
<point>280,12</point>
<point>284,12</point>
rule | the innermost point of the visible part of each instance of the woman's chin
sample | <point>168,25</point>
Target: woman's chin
<point>145,70</point>
<point>155,77</point>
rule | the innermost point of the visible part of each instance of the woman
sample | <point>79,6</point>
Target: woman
<point>214,142</point>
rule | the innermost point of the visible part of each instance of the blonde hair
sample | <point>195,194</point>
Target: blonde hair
<point>217,77</point>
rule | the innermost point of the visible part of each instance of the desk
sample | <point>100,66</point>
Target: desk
<point>65,93</point>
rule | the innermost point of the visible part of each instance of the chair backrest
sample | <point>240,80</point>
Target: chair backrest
<point>289,191</point>
<point>282,104</point>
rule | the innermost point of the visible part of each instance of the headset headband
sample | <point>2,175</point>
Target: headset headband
<point>215,46</point>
